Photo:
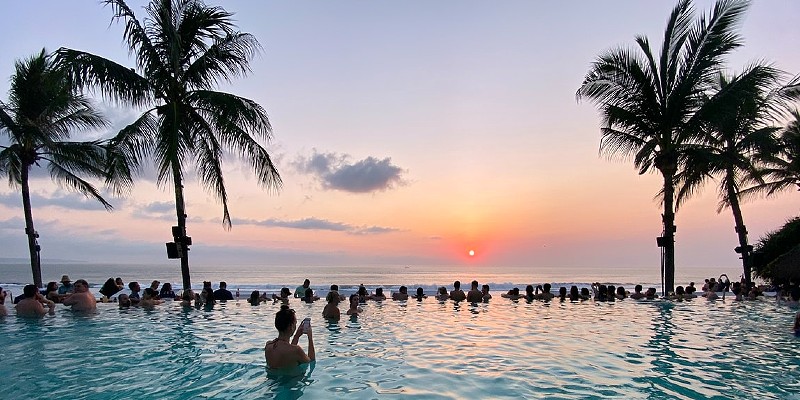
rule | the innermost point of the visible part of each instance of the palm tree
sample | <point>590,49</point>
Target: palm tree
<point>782,169</point>
<point>738,132</point>
<point>183,48</point>
<point>42,111</point>
<point>648,105</point>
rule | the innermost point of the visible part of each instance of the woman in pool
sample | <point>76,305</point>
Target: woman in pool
<point>167,292</point>
<point>442,294</point>
<point>281,352</point>
<point>354,300</point>
<point>529,293</point>
<point>485,293</point>
<point>378,296</point>
<point>331,310</point>
<point>512,294</point>
<point>309,297</point>
<point>255,298</point>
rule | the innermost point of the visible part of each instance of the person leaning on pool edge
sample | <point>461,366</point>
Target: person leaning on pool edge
<point>280,352</point>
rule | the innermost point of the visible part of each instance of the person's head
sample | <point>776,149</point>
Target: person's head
<point>691,284</point>
<point>602,290</point>
<point>223,285</point>
<point>515,291</point>
<point>52,286</point>
<point>442,290</point>
<point>124,300</point>
<point>166,287</point>
<point>379,291</point>
<point>65,280</point>
<point>285,292</point>
<point>585,292</point>
<point>637,289</point>
<point>154,285</point>
<point>457,285</point>
<point>679,291</point>
<point>133,286</point>
<point>309,293</point>
<point>332,297</point>
<point>403,290</point>
<point>285,321</point>
<point>118,281</point>
<point>573,291</point>
<point>188,295</point>
<point>29,291</point>
<point>306,283</point>
<point>362,291</point>
<point>334,288</point>
<point>148,293</point>
<point>353,300</point>
<point>474,285</point>
<point>254,297</point>
<point>485,289</point>
<point>651,292</point>
<point>621,291</point>
<point>546,287</point>
<point>81,286</point>
<point>562,291</point>
<point>529,290</point>
<point>611,290</point>
<point>206,284</point>
<point>420,292</point>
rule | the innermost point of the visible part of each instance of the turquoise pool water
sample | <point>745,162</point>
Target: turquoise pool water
<point>428,349</point>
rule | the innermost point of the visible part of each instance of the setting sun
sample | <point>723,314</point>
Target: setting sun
<point>471,253</point>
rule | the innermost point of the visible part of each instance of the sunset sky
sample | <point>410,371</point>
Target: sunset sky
<point>407,133</point>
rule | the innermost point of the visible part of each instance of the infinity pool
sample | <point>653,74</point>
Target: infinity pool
<point>427,349</point>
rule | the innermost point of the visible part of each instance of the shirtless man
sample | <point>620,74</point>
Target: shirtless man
<point>474,295</point>
<point>81,300</point>
<point>32,302</point>
<point>457,294</point>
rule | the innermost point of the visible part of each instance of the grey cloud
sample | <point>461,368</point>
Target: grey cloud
<point>317,224</point>
<point>67,200</point>
<point>335,172</point>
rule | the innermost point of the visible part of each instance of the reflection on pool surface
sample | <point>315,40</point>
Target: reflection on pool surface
<point>427,349</point>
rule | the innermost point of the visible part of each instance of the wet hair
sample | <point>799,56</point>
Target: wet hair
<point>254,298</point>
<point>51,286</point>
<point>284,318</point>
<point>29,291</point>
<point>333,297</point>
<point>457,285</point>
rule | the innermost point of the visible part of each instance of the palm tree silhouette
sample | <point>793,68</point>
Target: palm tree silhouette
<point>183,48</point>
<point>648,104</point>
<point>43,110</point>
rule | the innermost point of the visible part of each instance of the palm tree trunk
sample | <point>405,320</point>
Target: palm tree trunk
<point>741,231</point>
<point>36,267</point>
<point>669,232</point>
<point>180,208</point>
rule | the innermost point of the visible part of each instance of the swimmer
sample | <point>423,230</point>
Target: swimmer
<point>354,300</point>
<point>331,310</point>
<point>283,351</point>
<point>32,303</point>
<point>81,300</point>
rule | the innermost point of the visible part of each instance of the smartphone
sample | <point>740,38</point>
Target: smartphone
<point>306,324</point>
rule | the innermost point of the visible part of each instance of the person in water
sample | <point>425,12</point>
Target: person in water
<point>797,324</point>
<point>81,300</point>
<point>283,351</point>
<point>331,310</point>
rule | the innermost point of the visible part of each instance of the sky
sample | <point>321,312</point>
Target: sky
<point>406,133</point>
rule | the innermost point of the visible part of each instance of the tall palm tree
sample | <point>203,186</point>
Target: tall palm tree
<point>648,103</point>
<point>183,48</point>
<point>43,110</point>
<point>738,131</point>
